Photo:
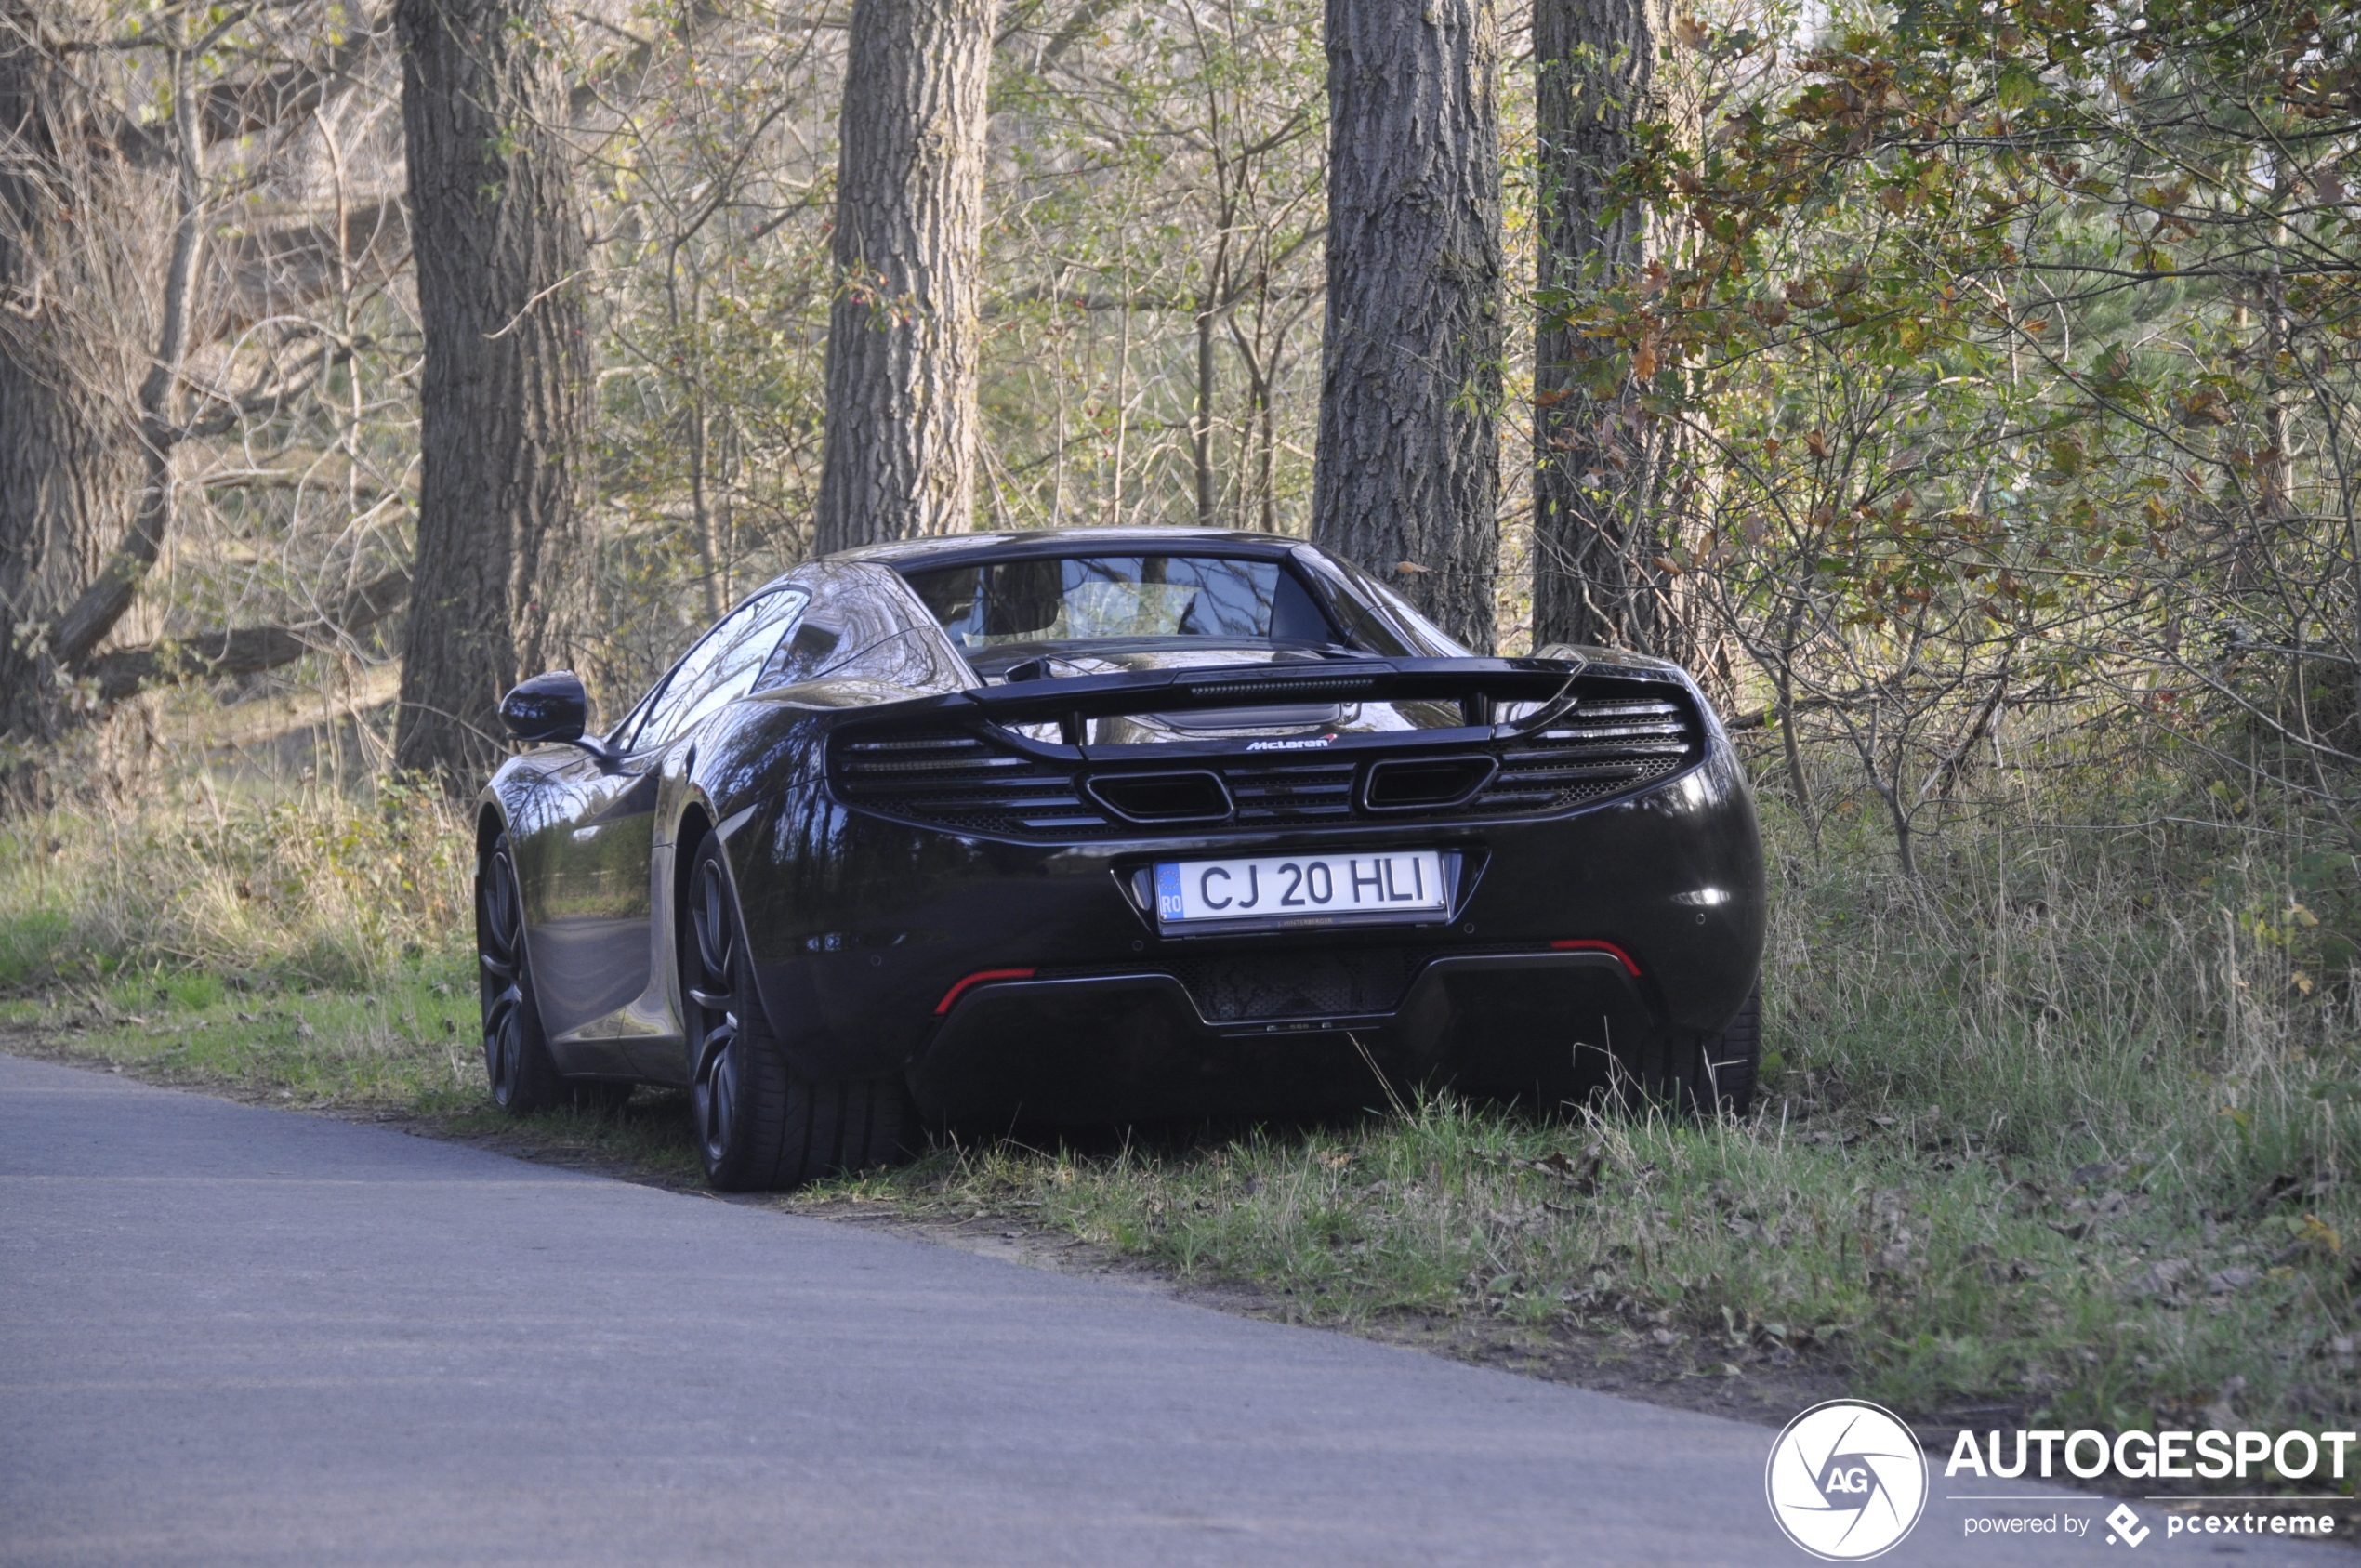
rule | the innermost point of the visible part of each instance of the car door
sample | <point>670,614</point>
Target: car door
<point>594,950</point>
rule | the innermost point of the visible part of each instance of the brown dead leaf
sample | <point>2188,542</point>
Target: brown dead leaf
<point>1582,1176</point>
<point>2160,1276</point>
<point>2206,406</point>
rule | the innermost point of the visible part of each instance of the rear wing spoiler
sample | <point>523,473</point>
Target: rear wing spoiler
<point>1508,697</point>
<point>1520,737</point>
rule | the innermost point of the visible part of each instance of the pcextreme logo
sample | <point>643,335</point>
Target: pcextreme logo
<point>1846,1481</point>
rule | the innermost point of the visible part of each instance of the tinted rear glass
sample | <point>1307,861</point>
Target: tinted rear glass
<point>1096,598</point>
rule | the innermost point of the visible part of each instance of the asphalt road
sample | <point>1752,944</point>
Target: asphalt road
<point>237,1336</point>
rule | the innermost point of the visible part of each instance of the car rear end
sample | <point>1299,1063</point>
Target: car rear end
<point>1250,888</point>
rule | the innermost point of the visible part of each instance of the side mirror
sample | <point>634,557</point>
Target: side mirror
<point>549,707</point>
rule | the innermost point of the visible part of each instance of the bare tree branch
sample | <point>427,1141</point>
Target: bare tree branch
<point>244,650</point>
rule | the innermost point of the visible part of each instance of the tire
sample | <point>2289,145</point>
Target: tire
<point>515,1053</point>
<point>1711,1075</point>
<point>1721,1072</point>
<point>760,1126</point>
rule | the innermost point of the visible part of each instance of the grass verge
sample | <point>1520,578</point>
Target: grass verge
<point>2065,1138</point>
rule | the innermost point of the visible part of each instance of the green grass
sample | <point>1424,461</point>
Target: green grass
<point>407,1043</point>
<point>405,1048</point>
<point>2066,1135</point>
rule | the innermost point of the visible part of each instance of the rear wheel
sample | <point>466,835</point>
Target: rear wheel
<point>515,1053</point>
<point>759,1126</point>
<point>1718,1075</point>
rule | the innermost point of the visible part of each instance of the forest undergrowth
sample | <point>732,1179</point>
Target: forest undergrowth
<point>2065,1133</point>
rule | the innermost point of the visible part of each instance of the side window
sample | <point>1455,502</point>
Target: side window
<point>817,637</point>
<point>1378,619</point>
<point>1293,616</point>
<point>1363,624</point>
<point>914,657</point>
<point>865,625</point>
<point>720,668</point>
<point>1438,643</point>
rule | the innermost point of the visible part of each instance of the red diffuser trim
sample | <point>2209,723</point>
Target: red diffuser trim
<point>982,975</point>
<point>1583,946</point>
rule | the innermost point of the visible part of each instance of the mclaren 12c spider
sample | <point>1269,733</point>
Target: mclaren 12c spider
<point>1101,826</point>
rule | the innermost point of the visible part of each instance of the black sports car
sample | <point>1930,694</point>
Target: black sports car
<point>1095,825</point>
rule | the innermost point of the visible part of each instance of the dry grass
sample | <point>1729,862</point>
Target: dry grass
<point>307,887</point>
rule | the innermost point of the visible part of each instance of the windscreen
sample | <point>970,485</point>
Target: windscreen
<point>1126,598</point>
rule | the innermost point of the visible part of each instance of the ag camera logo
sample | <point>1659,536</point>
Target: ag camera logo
<point>1846,1481</point>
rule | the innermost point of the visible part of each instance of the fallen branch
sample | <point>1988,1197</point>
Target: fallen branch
<point>243,650</point>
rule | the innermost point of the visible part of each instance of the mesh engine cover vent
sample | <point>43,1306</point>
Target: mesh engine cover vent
<point>956,776</point>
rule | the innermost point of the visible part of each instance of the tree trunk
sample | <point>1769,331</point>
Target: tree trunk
<point>1408,466</point>
<point>84,237</point>
<point>504,551</point>
<point>95,612</point>
<point>899,455</point>
<point>1594,580</point>
<point>108,283</point>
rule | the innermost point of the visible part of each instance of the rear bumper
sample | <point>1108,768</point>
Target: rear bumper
<point>862,925</point>
<point>1117,1047</point>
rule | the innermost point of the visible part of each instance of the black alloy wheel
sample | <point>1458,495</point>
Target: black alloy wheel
<point>759,1126</point>
<point>515,1053</point>
<point>738,1086</point>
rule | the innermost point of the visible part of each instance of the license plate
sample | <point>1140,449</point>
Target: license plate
<point>1311,889</point>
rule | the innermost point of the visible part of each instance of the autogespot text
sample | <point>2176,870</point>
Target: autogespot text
<point>2169,1455</point>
